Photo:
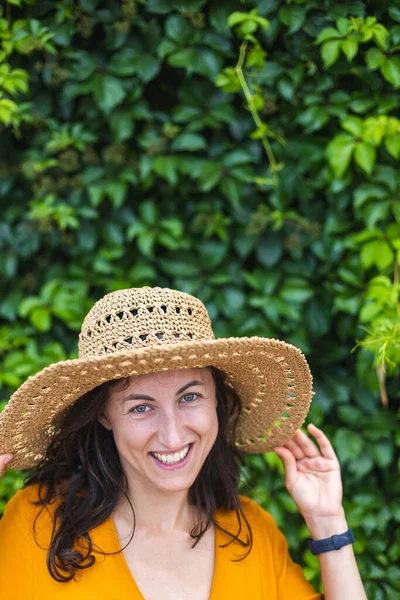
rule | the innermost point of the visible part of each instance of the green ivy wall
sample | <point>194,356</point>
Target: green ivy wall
<point>245,152</point>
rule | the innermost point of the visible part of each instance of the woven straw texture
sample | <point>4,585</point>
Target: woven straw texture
<point>141,330</point>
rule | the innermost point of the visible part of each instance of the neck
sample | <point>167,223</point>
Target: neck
<point>158,512</point>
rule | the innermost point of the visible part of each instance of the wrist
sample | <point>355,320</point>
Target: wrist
<point>323,527</point>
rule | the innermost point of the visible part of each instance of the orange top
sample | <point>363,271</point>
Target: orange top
<point>268,573</point>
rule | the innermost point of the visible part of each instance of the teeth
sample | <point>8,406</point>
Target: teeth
<point>169,459</point>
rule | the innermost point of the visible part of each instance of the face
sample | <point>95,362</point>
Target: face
<point>164,426</point>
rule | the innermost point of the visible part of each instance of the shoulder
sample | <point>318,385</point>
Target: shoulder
<point>24,506</point>
<point>257,516</point>
<point>23,499</point>
<point>18,516</point>
<point>260,521</point>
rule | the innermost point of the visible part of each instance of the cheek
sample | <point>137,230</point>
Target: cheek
<point>132,435</point>
<point>204,421</point>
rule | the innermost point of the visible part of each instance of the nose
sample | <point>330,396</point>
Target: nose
<point>172,431</point>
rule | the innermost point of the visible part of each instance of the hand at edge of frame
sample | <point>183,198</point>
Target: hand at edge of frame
<point>5,459</point>
<point>312,474</point>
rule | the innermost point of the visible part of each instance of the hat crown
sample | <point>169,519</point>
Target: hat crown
<point>140,318</point>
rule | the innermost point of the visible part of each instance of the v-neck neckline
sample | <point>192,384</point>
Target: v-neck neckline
<point>126,568</point>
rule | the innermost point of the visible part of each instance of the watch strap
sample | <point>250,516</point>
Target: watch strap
<point>335,542</point>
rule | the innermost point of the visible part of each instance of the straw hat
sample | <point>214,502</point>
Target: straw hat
<point>142,330</point>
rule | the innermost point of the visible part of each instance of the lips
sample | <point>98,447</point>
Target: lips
<point>172,460</point>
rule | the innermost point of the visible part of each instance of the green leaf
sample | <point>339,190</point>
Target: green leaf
<point>339,152</point>
<point>377,252</point>
<point>108,91</point>
<point>236,18</point>
<point>7,109</point>
<point>382,453</point>
<point>295,289</point>
<point>343,25</point>
<point>353,125</point>
<point>286,89</point>
<point>369,311</point>
<point>365,156</point>
<point>117,190</point>
<point>234,298</point>
<point>390,69</point>
<point>174,226</point>
<point>237,157</point>
<point>41,319</point>
<point>381,36</point>
<point>368,191</point>
<point>208,63</point>
<point>96,193</point>
<point>313,118</point>
<point>198,60</point>
<point>349,48</point>
<point>368,254</point>
<point>209,174</point>
<point>178,29</point>
<point>392,145</point>
<point>166,167</point>
<point>328,34</point>
<point>145,243</point>
<point>180,267</point>
<point>190,142</point>
<point>330,52</point>
<point>375,58</point>
<point>147,67</point>
<point>122,63</point>
<point>348,444</point>
<point>269,250</point>
<point>122,124</point>
<point>385,256</point>
<point>394,13</point>
<point>360,466</point>
<point>149,212</point>
<point>292,16</point>
<point>232,189</point>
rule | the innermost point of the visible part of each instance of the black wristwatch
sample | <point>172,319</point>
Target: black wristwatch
<point>332,543</point>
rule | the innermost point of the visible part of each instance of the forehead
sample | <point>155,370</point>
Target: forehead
<point>168,379</point>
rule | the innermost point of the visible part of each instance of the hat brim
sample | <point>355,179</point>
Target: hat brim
<point>272,378</point>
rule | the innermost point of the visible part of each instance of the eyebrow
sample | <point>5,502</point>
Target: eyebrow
<point>144,397</point>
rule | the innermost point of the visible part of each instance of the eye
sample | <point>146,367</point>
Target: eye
<point>190,397</point>
<point>140,410</point>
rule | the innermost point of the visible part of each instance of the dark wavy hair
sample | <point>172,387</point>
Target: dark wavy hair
<point>82,474</point>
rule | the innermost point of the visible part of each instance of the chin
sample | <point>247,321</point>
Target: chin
<point>174,487</point>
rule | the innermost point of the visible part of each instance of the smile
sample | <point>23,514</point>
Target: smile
<point>171,459</point>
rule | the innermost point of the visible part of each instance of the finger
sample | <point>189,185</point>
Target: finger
<point>324,444</point>
<point>289,465</point>
<point>306,445</point>
<point>295,449</point>
<point>4,460</point>
<point>316,465</point>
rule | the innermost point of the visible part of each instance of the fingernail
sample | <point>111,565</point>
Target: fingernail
<point>8,459</point>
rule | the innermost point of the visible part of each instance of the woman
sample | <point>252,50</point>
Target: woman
<point>137,445</point>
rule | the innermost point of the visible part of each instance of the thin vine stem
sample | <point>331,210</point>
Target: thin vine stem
<point>252,108</point>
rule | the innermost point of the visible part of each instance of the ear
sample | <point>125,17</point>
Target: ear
<point>103,419</point>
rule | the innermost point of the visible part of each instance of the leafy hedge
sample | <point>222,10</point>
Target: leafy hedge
<point>244,152</point>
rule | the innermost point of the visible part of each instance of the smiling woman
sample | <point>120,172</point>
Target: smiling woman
<point>137,447</point>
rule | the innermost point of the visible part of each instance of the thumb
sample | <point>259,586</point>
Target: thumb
<point>4,460</point>
<point>289,465</point>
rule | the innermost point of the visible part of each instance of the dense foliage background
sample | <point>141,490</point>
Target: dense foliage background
<point>245,152</point>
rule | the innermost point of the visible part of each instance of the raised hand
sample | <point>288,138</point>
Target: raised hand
<point>4,460</point>
<point>312,474</point>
